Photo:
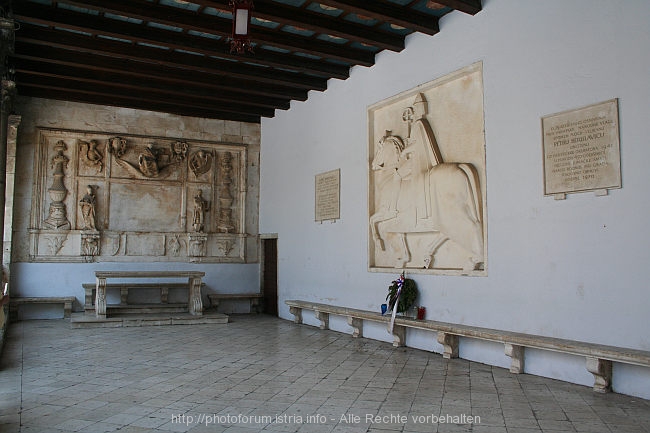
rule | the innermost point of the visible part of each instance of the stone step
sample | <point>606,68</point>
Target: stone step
<point>81,320</point>
<point>113,309</point>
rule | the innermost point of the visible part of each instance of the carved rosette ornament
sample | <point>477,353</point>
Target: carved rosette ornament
<point>57,218</point>
<point>224,222</point>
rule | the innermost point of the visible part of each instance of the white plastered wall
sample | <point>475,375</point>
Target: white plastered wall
<point>572,269</point>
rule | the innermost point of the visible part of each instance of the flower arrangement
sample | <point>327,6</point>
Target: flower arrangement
<point>403,291</point>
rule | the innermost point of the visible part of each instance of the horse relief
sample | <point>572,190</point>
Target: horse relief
<point>422,202</point>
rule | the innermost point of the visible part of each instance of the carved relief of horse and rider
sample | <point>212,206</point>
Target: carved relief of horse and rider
<point>421,199</point>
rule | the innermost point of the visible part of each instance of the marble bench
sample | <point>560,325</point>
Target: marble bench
<point>194,283</point>
<point>254,298</point>
<point>15,302</point>
<point>598,357</point>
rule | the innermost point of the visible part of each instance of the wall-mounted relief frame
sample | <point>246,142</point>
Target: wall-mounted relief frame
<point>102,196</point>
<point>427,178</point>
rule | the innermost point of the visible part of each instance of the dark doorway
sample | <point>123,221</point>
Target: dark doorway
<point>270,275</point>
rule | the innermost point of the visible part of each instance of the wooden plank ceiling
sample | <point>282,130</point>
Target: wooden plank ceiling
<point>174,56</point>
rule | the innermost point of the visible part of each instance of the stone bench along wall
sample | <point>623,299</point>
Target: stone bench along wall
<point>598,357</point>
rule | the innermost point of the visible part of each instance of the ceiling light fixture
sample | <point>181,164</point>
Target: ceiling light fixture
<point>240,42</point>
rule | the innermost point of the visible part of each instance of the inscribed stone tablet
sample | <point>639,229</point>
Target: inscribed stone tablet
<point>327,195</point>
<point>581,149</point>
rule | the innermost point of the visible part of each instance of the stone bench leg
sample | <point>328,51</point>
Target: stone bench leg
<point>88,299</point>
<point>516,353</point>
<point>67,309</point>
<point>449,343</point>
<point>164,295</point>
<point>602,371</point>
<point>255,305</point>
<point>297,314</point>
<point>124,295</point>
<point>357,326</point>
<point>399,336</point>
<point>324,319</point>
<point>195,303</point>
<point>100,298</point>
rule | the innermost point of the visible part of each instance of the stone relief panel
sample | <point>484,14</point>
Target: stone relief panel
<point>111,197</point>
<point>427,196</point>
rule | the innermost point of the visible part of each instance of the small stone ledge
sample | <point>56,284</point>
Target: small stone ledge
<point>599,357</point>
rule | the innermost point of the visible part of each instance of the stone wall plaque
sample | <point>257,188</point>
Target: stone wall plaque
<point>328,195</point>
<point>581,150</point>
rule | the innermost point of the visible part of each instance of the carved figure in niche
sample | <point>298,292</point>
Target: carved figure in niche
<point>423,194</point>
<point>93,157</point>
<point>201,206</point>
<point>57,218</point>
<point>179,151</point>
<point>117,146</point>
<point>201,162</point>
<point>148,161</point>
<point>87,205</point>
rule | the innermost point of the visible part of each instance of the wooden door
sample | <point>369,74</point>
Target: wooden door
<point>270,275</point>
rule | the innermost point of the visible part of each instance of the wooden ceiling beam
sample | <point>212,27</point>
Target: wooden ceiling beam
<point>83,22</point>
<point>107,94</point>
<point>388,12</point>
<point>39,35</point>
<point>320,23</point>
<point>129,82</point>
<point>471,7</point>
<point>137,69</point>
<point>38,92</point>
<point>175,41</point>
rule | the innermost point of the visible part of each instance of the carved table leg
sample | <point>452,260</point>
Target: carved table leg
<point>602,371</point>
<point>164,295</point>
<point>324,319</point>
<point>399,336</point>
<point>89,296</point>
<point>357,325</point>
<point>100,298</point>
<point>449,343</point>
<point>297,314</point>
<point>516,353</point>
<point>124,295</point>
<point>195,303</point>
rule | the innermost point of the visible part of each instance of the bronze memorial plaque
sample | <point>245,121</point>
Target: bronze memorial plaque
<point>581,150</point>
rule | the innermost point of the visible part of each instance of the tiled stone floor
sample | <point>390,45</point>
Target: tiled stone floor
<point>261,374</point>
